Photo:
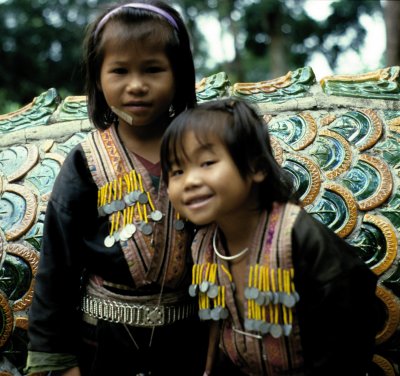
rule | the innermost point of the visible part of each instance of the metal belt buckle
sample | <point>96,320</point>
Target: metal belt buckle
<point>154,315</point>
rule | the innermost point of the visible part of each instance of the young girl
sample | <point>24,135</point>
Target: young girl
<point>114,266</point>
<point>285,294</point>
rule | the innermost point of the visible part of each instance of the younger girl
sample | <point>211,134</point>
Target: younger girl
<point>114,251</point>
<point>287,295</point>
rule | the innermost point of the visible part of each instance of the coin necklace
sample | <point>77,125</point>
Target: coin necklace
<point>227,258</point>
<point>126,201</point>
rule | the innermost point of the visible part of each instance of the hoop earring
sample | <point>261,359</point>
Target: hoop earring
<point>171,111</point>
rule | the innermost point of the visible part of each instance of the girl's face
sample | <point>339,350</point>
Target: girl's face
<point>205,185</point>
<point>137,79</point>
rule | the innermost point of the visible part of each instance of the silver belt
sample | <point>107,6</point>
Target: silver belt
<point>142,315</point>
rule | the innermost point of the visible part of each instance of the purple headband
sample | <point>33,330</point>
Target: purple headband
<point>149,7</point>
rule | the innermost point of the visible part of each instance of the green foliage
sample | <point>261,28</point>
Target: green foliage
<point>40,43</point>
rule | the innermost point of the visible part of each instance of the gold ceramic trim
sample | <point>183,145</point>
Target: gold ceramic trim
<point>384,365</point>
<point>31,160</point>
<point>389,232</point>
<point>268,86</point>
<point>372,138</point>
<point>346,163</point>
<point>7,319</point>
<point>277,149</point>
<point>30,213</point>
<point>393,310</point>
<point>315,184</point>
<point>21,322</point>
<point>385,188</point>
<point>328,119</point>
<point>377,75</point>
<point>351,203</point>
<point>32,259</point>
<point>310,134</point>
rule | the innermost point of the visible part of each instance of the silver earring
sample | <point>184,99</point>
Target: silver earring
<point>171,111</point>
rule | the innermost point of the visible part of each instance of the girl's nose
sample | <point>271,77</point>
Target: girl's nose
<point>193,179</point>
<point>137,85</point>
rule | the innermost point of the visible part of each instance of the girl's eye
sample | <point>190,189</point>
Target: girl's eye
<point>119,70</point>
<point>207,163</point>
<point>175,172</point>
<point>154,69</point>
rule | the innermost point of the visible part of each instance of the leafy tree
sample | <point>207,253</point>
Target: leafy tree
<point>40,47</point>
<point>40,42</point>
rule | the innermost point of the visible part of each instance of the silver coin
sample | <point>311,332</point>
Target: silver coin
<point>254,292</point>
<point>261,298</point>
<point>143,199</point>
<point>114,206</point>
<point>215,313</point>
<point>206,314</point>
<point>275,297</point>
<point>100,211</point>
<point>116,236</point>
<point>257,325</point>
<point>224,313</point>
<point>120,204</point>
<point>130,229</point>
<point>179,225</point>
<point>156,215</point>
<point>123,236</point>
<point>247,294</point>
<point>269,296</point>
<point>288,300</point>
<point>212,291</point>
<point>147,229</point>
<point>204,286</point>
<point>107,209</point>
<point>193,290</point>
<point>296,296</point>
<point>287,329</point>
<point>201,314</point>
<point>275,330</point>
<point>249,324</point>
<point>133,196</point>
<point>109,241</point>
<point>128,200</point>
<point>264,328</point>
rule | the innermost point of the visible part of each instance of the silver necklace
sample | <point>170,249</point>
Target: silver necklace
<point>226,258</point>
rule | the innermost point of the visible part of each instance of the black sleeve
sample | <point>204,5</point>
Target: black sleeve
<point>338,307</point>
<point>54,313</point>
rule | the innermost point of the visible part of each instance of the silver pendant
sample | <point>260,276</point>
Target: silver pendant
<point>179,225</point>
<point>276,330</point>
<point>147,229</point>
<point>143,199</point>
<point>156,215</point>
<point>193,290</point>
<point>109,241</point>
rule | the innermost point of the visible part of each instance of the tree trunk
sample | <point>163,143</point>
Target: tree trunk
<point>391,13</point>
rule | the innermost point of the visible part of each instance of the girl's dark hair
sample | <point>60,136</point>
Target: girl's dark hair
<point>244,134</point>
<point>135,23</point>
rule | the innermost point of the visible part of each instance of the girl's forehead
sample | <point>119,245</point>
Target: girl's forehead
<point>191,144</point>
<point>144,33</point>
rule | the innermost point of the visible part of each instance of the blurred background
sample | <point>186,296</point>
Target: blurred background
<point>250,40</point>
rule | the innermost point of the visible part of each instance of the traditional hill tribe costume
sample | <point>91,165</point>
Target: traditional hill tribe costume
<point>310,304</point>
<point>106,220</point>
